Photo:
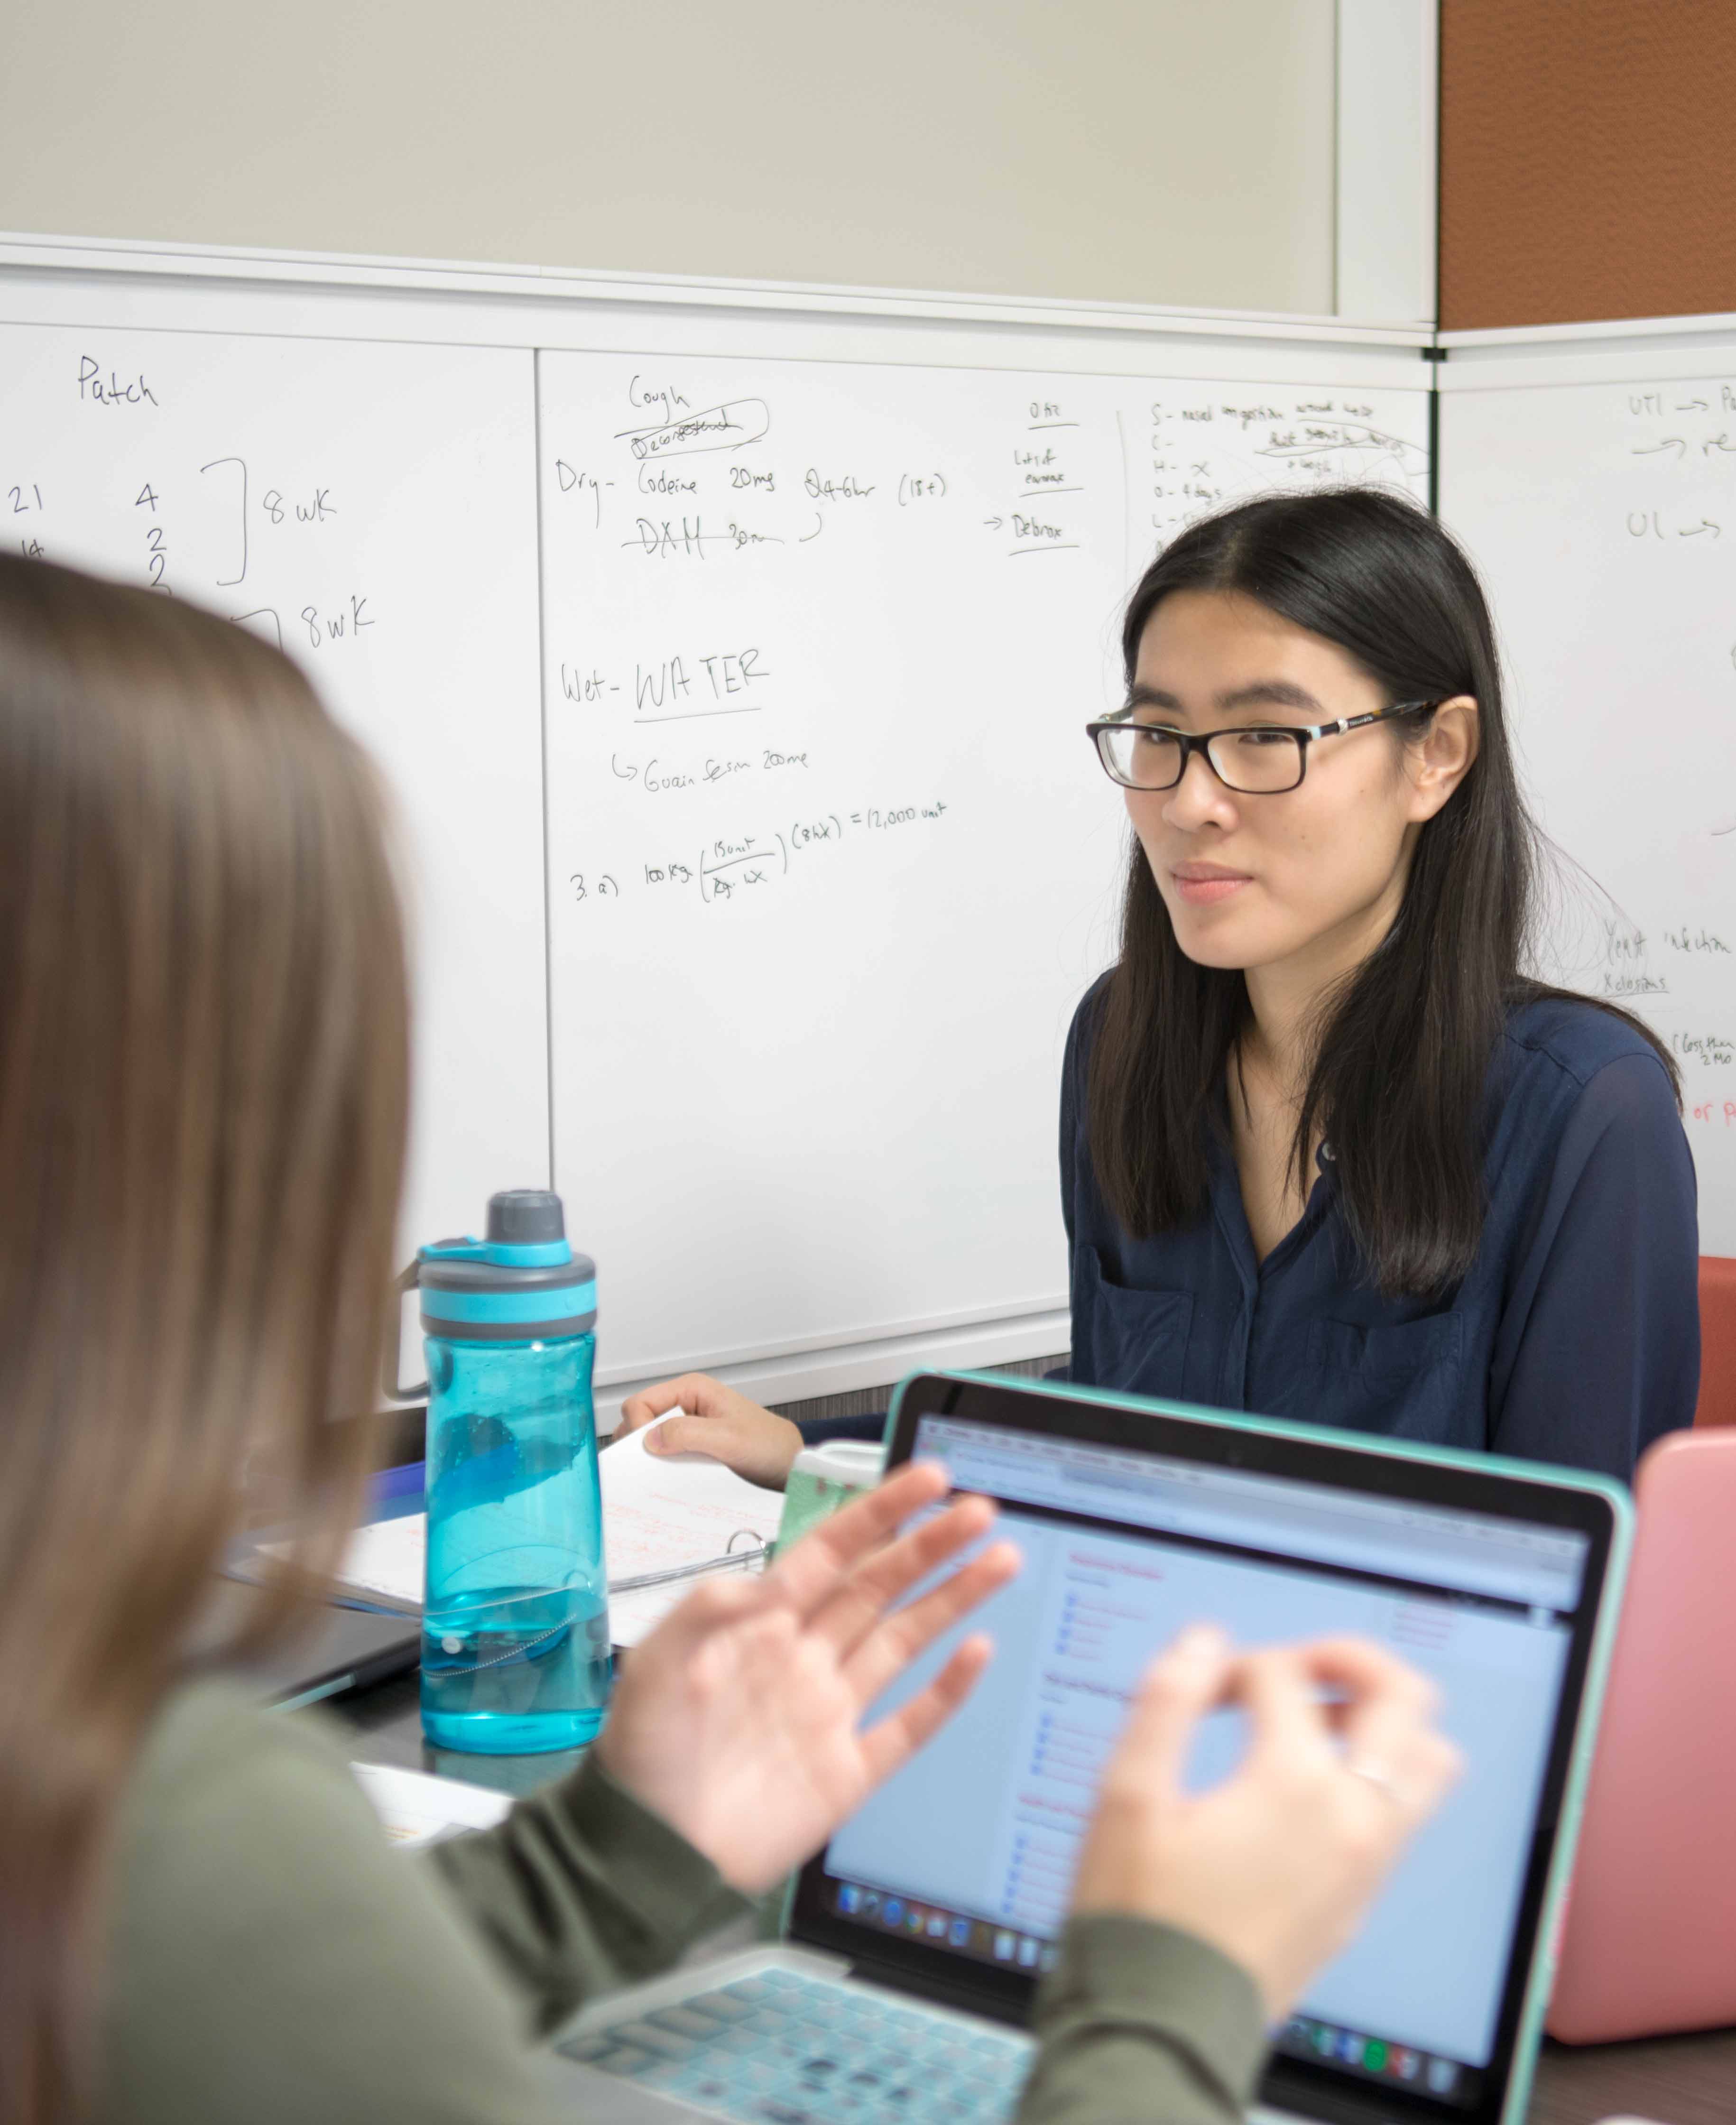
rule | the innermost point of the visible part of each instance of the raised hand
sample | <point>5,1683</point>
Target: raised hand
<point>738,1720</point>
<point>1277,1865</point>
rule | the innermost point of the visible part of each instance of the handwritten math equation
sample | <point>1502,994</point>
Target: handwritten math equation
<point>732,866</point>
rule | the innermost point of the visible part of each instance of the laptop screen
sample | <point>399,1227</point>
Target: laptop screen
<point>970,1850</point>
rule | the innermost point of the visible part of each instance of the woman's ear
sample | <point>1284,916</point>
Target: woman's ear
<point>1440,761</point>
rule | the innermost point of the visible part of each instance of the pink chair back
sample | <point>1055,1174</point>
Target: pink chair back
<point>1717,1340</point>
<point>1649,1942</point>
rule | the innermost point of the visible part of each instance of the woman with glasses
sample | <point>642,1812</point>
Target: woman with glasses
<point>1329,1151</point>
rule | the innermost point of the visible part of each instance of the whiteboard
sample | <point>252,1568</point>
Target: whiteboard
<point>371,509</point>
<point>806,1121</point>
<point>1597,496</point>
<point>831,860</point>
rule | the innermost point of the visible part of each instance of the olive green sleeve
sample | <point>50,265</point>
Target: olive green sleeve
<point>1141,2025</point>
<point>270,1959</point>
<point>581,1888</point>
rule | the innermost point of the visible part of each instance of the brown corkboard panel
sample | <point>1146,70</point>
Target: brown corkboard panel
<point>1588,160</point>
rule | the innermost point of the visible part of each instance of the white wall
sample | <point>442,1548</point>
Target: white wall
<point>1388,52</point>
<point>1159,151</point>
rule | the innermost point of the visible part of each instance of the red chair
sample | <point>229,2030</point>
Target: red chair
<point>1717,1403</point>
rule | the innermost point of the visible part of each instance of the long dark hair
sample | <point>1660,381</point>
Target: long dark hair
<point>203,1081</point>
<point>1402,1051</point>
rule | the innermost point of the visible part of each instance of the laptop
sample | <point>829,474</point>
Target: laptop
<point>1649,1944</point>
<point>333,1651</point>
<point>917,1938</point>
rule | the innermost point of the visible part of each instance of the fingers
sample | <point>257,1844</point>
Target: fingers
<point>888,1647</point>
<point>1280,1693</point>
<point>1382,1717</point>
<point>645,1407</point>
<point>713,1605</point>
<point>898,1737</point>
<point>1425,1769</point>
<point>1386,1722</point>
<point>808,1574</point>
<point>1378,1702</point>
<point>811,1569</point>
<point>864,1595</point>
<point>1181,1686</point>
<point>1366,1673</point>
<point>691,1434</point>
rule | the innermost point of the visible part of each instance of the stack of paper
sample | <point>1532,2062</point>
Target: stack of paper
<point>658,1517</point>
<point>385,1562</point>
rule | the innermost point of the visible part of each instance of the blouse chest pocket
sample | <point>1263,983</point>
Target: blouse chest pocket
<point>1405,1381</point>
<point>1133,1341</point>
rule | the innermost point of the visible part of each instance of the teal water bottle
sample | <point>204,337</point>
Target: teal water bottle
<point>515,1655</point>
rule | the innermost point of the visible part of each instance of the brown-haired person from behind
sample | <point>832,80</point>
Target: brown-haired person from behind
<point>204,1058</point>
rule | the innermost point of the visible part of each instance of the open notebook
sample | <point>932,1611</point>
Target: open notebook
<point>660,1517</point>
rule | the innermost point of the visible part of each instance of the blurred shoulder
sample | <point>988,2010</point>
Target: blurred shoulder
<point>214,1728</point>
<point>230,1804</point>
<point>270,1956</point>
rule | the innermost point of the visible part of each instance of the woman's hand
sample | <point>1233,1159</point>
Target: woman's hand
<point>1277,1865</point>
<point>737,1720</point>
<point>721,1423</point>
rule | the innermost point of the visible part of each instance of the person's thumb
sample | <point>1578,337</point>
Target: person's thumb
<point>1180,1687</point>
<point>684,1434</point>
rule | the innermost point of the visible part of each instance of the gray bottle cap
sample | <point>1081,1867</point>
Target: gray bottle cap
<point>526,1216</point>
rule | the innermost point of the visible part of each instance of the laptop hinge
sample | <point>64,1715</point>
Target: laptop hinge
<point>968,1999</point>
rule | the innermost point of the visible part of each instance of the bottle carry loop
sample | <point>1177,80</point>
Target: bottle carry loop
<point>405,1281</point>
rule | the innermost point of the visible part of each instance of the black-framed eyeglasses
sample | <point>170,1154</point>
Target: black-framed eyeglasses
<point>1260,759</point>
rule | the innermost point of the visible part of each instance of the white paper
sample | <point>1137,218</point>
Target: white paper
<point>657,1514</point>
<point>388,1558</point>
<point>416,1810</point>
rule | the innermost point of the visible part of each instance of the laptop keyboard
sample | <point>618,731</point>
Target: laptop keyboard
<point>780,2049</point>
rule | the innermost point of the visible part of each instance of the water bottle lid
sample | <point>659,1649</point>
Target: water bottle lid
<point>523,1282</point>
<point>518,1216</point>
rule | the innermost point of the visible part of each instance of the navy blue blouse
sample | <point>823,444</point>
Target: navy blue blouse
<point>1574,1337</point>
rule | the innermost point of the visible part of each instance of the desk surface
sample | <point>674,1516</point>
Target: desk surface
<point>1676,2080</point>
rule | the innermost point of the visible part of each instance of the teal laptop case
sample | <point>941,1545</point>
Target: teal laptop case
<point>1541,1975</point>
